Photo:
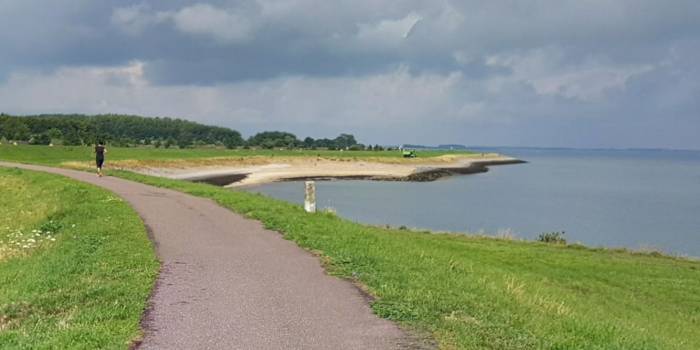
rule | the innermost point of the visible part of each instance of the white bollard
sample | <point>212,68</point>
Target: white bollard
<point>310,197</point>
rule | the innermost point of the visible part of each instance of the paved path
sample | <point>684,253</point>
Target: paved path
<point>228,283</point>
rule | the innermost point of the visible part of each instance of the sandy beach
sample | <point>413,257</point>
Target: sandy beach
<point>246,172</point>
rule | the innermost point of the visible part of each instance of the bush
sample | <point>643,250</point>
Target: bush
<point>40,139</point>
<point>71,138</point>
<point>51,227</point>
<point>552,237</point>
<point>231,143</point>
<point>55,134</point>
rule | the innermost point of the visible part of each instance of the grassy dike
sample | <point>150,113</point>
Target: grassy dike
<point>478,293</point>
<point>76,265</point>
<point>472,292</point>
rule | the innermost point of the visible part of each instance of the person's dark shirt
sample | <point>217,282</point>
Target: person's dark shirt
<point>100,151</point>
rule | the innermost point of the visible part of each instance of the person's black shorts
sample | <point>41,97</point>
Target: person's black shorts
<point>99,162</point>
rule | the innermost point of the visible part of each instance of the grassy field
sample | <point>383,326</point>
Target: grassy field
<point>60,154</point>
<point>472,292</point>
<point>76,266</point>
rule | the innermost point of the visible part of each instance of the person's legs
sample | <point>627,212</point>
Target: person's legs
<point>99,166</point>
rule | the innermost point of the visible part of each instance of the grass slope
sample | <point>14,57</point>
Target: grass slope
<point>76,266</point>
<point>480,293</point>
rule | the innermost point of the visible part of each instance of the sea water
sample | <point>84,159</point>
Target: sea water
<point>639,199</point>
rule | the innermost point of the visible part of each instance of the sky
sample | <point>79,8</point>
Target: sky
<point>548,73</point>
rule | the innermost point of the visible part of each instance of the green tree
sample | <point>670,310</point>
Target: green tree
<point>308,143</point>
<point>185,140</point>
<point>128,130</point>
<point>40,139</point>
<point>232,142</point>
<point>325,143</point>
<point>272,139</point>
<point>122,129</point>
<point>54,134</point>
<point>15,129</point>
<point>71,138</point>
<point>344,141</point>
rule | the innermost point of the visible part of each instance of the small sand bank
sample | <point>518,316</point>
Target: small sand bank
<point>233,174</point>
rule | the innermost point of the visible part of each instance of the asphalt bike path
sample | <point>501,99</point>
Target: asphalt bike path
<point>226,282</point>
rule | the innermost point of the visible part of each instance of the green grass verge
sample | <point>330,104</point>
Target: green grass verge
<point>473,292</point>
<point>479,293</point>
<point>58,154</point>
<point>76,265</point>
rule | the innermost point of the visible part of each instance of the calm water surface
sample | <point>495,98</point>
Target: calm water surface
<point>635,199</point>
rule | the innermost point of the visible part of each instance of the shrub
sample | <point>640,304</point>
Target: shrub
<point>51,227</point>
<point>40,139</point>
<point>552,237</point>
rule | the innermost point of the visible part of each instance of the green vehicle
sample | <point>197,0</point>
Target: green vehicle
<point>409,153</point>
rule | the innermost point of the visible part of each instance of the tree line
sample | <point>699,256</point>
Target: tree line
<point>121,130</point>
<point>128,130</point>
<point>281,139</point>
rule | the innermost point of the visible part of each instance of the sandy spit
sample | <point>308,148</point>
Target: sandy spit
<point>326,169</point>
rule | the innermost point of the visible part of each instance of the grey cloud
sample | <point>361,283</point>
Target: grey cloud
<point>276,38</point>
<point>596,73</point>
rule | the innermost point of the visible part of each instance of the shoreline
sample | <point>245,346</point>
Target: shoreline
<point>326,170</point>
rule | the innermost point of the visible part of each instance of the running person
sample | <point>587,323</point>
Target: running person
<point>100,151</point>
